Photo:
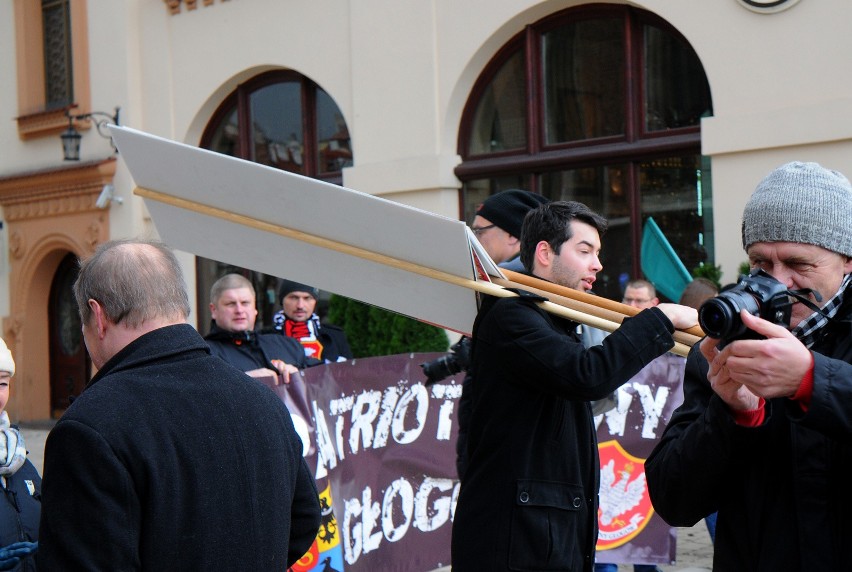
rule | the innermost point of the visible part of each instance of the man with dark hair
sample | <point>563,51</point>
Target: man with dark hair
<point>764,434</point>
<point>170,459</point>
<point>528,498</point>
<point>497,226</point>
<point>298,320</point>
<point>233,338</point>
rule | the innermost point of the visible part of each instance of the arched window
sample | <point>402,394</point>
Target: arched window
<point>284,120</point>
<point>600,104</point>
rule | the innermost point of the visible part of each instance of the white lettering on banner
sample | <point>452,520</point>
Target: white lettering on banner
<point>402,435</point>
<point>372,417</point>
<point>450,394</point>
<point>389,401</point>
<point>400,509</point>
<point>362,420</point>
<point>326,458</point>
<point>652,408</point>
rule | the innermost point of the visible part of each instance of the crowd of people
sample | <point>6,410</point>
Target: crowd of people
<point>172,442</point>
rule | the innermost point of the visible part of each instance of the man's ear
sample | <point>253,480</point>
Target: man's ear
<point>847,268</point>
<point>99,317</point>
<point>543,254</point>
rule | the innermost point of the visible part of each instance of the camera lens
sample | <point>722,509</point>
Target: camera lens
<point>717,317</point>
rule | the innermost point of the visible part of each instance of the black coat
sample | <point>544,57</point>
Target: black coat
<point>19,510</point>
<point>252,350</point>
<point>783,490</point>
<point>172,459</point>
<point>528,498</point>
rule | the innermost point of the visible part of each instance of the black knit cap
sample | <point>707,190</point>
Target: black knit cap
<point>507,209</point>
<point>288,286</point>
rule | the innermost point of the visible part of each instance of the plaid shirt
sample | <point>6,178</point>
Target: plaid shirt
<point>807,329</point>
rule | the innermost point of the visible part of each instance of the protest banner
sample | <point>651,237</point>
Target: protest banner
<point>382,448</point>
<point>630,532</point>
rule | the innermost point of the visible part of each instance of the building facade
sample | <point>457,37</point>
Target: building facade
<point>671,109</point>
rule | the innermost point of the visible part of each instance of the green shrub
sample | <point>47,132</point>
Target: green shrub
<point>373,331</point>
<point>712,273</point>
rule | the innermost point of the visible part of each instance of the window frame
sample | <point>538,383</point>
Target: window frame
<point>34,119</point>
<point>633,147</point>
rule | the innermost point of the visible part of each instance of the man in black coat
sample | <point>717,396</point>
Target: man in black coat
<point>233,338</point>
<point>170,459</point>
<point>528,498</point>
<point>764,434</point>
<point>298,320</point>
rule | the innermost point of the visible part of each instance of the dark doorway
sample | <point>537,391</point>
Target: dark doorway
<point>70,366</point>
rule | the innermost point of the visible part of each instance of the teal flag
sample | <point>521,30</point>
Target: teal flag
<point>660,264</point>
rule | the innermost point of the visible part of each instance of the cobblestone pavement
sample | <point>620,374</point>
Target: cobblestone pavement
<point>694,550</point>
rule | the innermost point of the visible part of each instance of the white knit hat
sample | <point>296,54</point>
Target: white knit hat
<point>6,361</point>
<point>801,202</point>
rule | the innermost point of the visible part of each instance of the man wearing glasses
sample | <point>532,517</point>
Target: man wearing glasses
<point>640,294</point>
<point>497,225</point>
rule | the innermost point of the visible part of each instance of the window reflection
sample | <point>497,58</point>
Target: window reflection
<point>276,127</point>
<point>584,80</point>
<point>672,190</point>
<point>226,136</point>
<point>676,89</point>
<point>334,149</point>
<point>500,121</point>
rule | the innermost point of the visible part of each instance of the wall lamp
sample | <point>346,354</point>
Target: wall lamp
<point>71,137</point>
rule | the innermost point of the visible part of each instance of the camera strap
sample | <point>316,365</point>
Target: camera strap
<point>802,296</point>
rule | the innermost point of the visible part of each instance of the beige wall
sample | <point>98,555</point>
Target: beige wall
<point>401,72</point>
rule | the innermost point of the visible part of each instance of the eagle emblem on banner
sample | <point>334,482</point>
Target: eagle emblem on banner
<point>625,505</point>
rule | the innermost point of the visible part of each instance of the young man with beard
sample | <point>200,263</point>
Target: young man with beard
<point>528,498</point>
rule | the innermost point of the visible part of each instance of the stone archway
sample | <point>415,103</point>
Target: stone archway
<point>49,215</point>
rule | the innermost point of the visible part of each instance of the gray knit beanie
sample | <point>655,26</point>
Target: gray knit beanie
<point>801,202</point>
<point>507,209</point>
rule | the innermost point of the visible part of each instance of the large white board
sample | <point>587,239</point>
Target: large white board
<point>316,208</point>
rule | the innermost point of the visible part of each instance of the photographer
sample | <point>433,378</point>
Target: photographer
<point>764,435</point>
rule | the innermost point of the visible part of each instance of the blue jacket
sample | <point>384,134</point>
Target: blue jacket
<point>20,510</point>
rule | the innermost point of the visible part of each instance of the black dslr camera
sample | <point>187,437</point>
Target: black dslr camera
<point>759,294</point>
<point>457,360</point>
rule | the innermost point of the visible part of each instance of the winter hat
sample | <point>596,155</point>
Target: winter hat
<point>288,286</point>
<point>507,209</point>
<point>6,361</point>
<point>801,202</point>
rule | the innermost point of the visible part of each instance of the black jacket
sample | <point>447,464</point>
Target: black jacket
<point>252,350</point>
<point>171,459</point>
<point>782,490</point>
<point>20,509</point>
<point>528,498</point>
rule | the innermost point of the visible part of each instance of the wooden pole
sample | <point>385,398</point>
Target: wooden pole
<point>562,305</point>
<point>589,300</point>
